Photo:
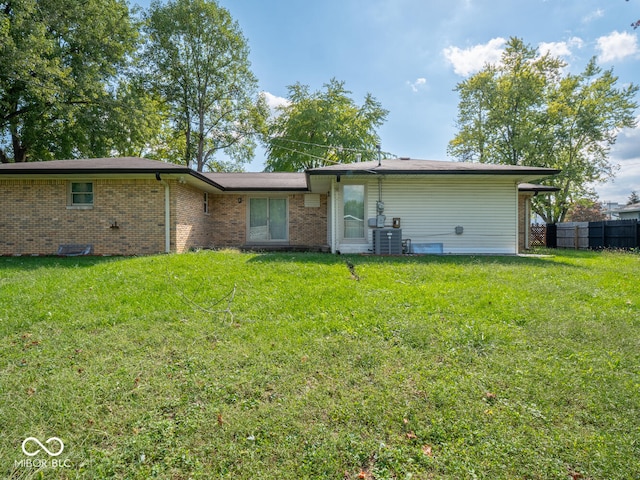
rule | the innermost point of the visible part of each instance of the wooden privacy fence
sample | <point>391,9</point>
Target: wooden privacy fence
<point>583,235</point>
<point>572,235</point>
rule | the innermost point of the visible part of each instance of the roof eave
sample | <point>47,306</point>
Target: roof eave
<point>536,173</point>
<point>110,171</point>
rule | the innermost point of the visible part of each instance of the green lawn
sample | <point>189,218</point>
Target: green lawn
<point>286,366</point>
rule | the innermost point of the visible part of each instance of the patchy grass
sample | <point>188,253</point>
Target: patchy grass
<point>229,365</point>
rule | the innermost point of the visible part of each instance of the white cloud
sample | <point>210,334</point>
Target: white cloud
<point>626,154</point>
<point>560,49</point>
<point>470,60</point>
<point>274,101</point>
<point>617,46</point>
<point>599,13</point>
<point>418,84</point>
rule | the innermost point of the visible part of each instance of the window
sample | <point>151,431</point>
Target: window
<point>353,211</point>
<point>206,202</point>
<point>81,194</point>
<point>267,219</point>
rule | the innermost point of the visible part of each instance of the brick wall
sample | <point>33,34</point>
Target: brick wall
<point>524,220</point>
<point>193,227</point>
<point>230,218</point>
<point>307,225</point>
<point>35,217</point>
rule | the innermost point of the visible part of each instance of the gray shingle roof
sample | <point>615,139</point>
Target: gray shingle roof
<point>96,165</point>
<point>634,207</point>
<point>413,166</point>
<point>271,181</point>
<point>251,181</point>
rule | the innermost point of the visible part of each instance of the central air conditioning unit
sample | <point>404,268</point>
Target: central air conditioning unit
<point>387,241</point>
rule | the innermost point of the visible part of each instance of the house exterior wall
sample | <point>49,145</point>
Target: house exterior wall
<point>430,208</point>
<point>629,215</point>
<point>524,221</point>
<point>35,217</point>
<point>307,226</point>
<point>193,226</point>
<point>229,228</point>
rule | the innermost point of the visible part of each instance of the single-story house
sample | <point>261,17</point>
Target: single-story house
<point>136,206</point>
<point>629,212</point>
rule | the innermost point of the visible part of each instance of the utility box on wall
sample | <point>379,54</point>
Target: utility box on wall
<point>387,241</point>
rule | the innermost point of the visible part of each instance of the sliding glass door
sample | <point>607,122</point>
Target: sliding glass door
<point>268,219</point>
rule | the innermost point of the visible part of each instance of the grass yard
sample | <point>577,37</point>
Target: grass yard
<point>287,366</point>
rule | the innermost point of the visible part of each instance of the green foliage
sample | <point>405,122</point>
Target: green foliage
<point>322,128</point>
<point>197,62</point>
<point>427,367</point>
<point>525,111</point>
<point>60,59</point>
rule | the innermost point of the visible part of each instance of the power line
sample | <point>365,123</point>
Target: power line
<point>347,149</point>
<point>310,155</point>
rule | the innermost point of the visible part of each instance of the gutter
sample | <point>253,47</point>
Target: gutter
<point>109,171</point>
<point>527,172</point>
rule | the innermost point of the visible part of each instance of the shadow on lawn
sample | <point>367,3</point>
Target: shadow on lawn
<point>38,262</point>
<point>547,260</point>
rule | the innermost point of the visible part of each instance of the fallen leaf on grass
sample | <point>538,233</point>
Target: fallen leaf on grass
<point>426,449</point>
<point>411,435</point>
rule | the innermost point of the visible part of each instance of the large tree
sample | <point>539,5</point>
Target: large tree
<point>59,66</point>
<point>527,111</point>
<point>197,60</point>
<point>320,128</point>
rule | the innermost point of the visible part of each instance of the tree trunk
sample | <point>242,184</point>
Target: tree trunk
<point>19,150</point>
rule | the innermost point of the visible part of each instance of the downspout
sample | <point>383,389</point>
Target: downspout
<point>333,217</point>
<point>517,243</point>
<point>167,214</point>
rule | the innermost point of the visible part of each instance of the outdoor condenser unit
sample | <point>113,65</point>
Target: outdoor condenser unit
<point>387,241</point>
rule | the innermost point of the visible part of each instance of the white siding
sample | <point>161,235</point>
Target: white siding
<point>431,208</point>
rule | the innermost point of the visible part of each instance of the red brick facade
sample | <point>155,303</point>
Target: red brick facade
<point>191,225</point>
<point>524,221</point>
<point>307,225</point>
<point>128,218</point>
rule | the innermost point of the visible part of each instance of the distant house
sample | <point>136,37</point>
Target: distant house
<point>136,206</point>
<point>629,212</point>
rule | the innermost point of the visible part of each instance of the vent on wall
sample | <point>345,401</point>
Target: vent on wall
<point>312,200</point>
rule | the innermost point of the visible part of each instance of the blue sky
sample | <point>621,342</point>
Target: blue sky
<point>410,54</point>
